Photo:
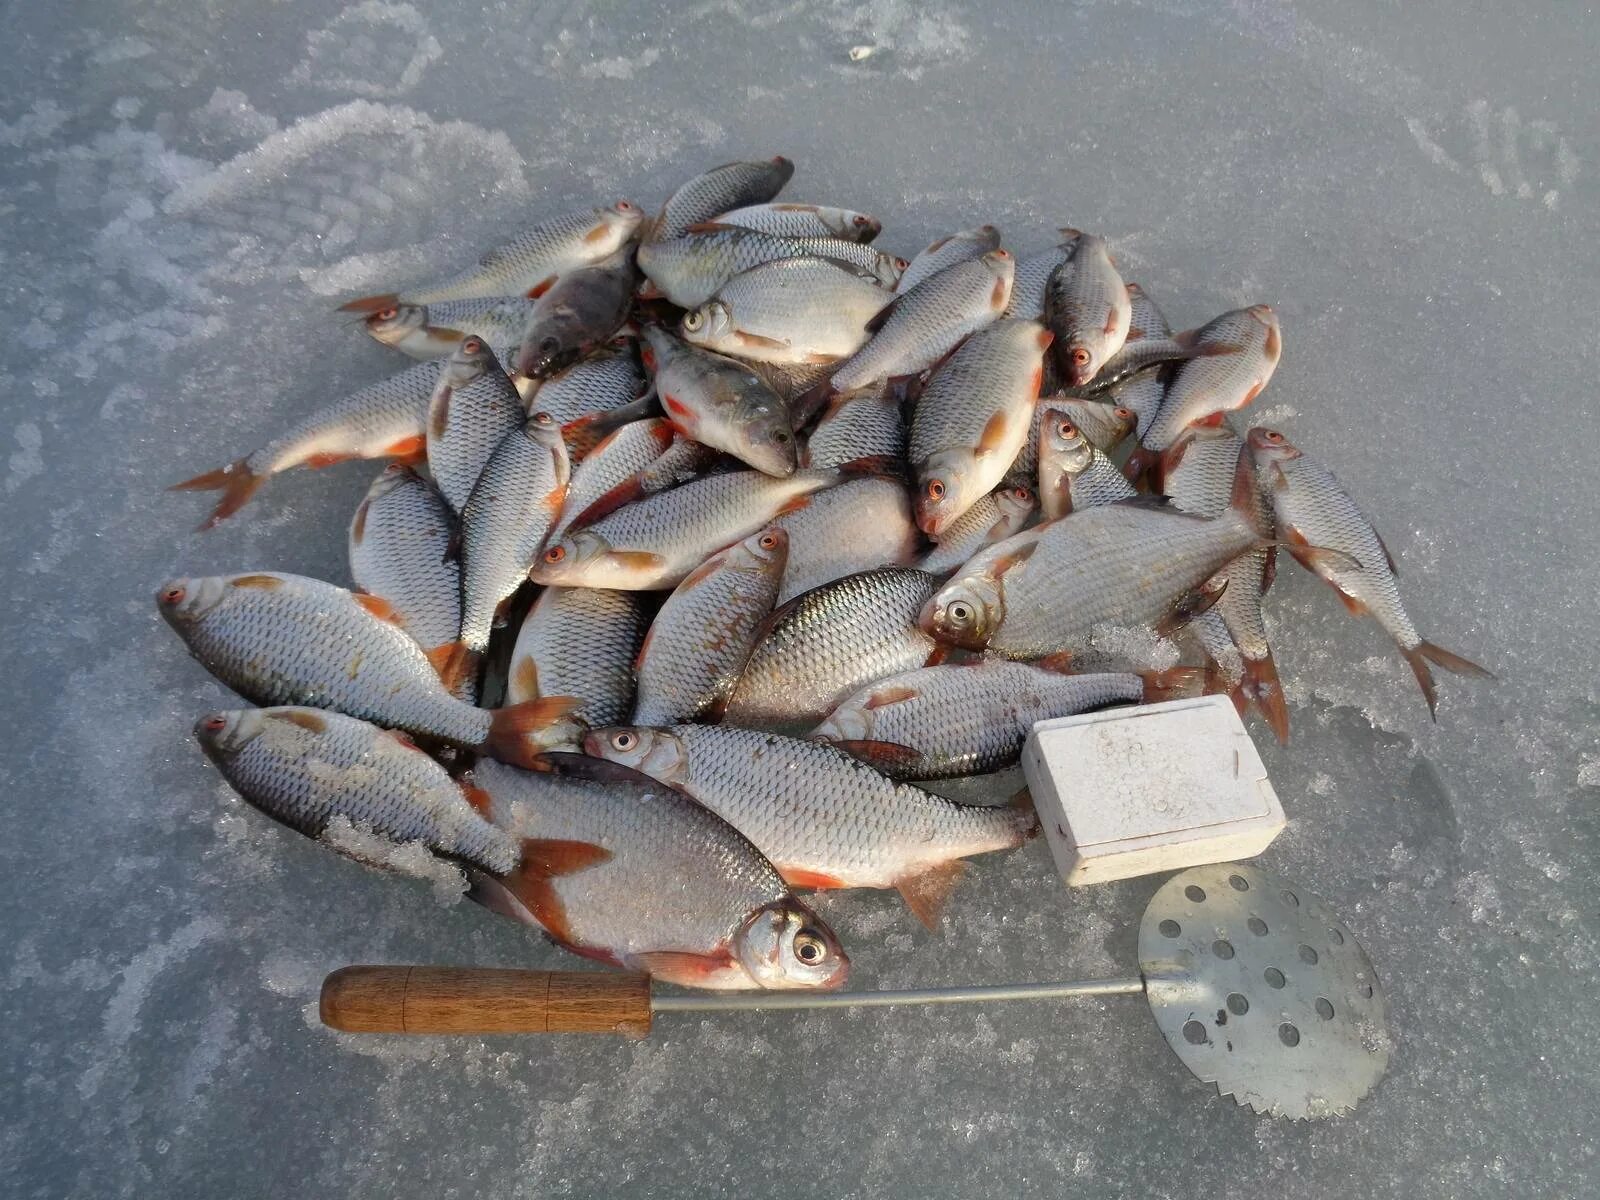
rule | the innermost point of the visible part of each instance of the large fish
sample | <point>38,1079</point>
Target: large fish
<point>862,424</point>
<point>473,408</point>
<point>822,818</point>
<point>804,220</point>
<point>922,325</point>
<point>655,541</point>
<point>579,642</point>
<point>826,643</point>
<point>1316,516</point>
<point>973,418</point>
<point>285,639</point>
<point>1136,564</point>
<point>382,420</point>
<point>947,721</point>
<point>505,520</point>
<point>305,768</point>
<point>433,330</point>
<point>1086,307</point>
<point>399,547</point>
<point>947,252</point>
<point>691,269</point>
<point>795,310</point>
<point>997,516</point>
<point>577,316</point>
<point>721,403</point>
<point>705,630</point>
<point>530,262</point>
<point>853,526</point>
<point>620,868</point>
<point>719,190</point>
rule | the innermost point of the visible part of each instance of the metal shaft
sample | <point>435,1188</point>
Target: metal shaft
<point>950,995</point>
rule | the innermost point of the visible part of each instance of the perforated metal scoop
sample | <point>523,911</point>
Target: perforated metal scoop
<point>1256,985</point>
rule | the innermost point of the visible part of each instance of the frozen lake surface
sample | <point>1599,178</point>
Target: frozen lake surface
<point>187,190</point>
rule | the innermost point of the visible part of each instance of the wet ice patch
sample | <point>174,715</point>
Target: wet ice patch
<point>371,49</point>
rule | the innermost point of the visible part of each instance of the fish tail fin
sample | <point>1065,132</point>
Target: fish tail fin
<point>926,892</point>
<point>1024,813</point>
<point>1174,683</point>
<point>519,733</point>
<point>1423,653</point>
<point>237,483</point>
<point>1419,668</point>
<point>457,664</point>
<point>370,304</point>
<point>1261,688</point>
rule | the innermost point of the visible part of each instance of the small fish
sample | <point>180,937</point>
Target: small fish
<point>1032,277</point>
<point>304,768</point>
<point>284,639</point>
<point>655,541</point>
<point>973,418</point>
<point>923,324</point>
<point>530,262</point>
<point>804,220</point>
<point>383,420</point>
<point>859,424</point>
<point>579,642</point>
<point>472,409</point>
<point>705,630</point>
<point>947,252</point>
<point>1087,308</point>
<point>797,310</point>
<point>1142,393</point>
<point>1105,428</point>
<point>719,190</point>
<point>577,316</point>
<point>853,526</point>
<point>1315,515</point>
<point>997,516</point>
<point>822,818</point>
<point>504,522</point>
<point>620,868</point>
<point>719,402</point>
<point>1073,472</point>
<point>826,643</point>
<point>434,330</point>
<point>1135,564</point>
<point>946,721</point>
<point>690,270</point>
<point>616,460</point>
<point>399,545</point>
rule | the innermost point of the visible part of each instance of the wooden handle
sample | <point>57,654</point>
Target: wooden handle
<point>482,1000</point>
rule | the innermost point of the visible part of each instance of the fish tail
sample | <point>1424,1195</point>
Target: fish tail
<point>237,483</point>
<point>1175,683</point>
<point>519,733</point>
<point>370,304</point>
<point>1423,653</point>
<point>1261,687</point>
<point>1419,668</point>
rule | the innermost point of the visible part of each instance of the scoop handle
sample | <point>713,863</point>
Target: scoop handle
<point>401,999</point>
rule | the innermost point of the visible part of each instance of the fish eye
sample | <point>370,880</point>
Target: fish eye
<point>624,740</point>
<point>626,206</point>
<point>550,345</point>
<point>768,541</point>
<point>860,221</point>
<point>215,723</point>
<point>542,418</point>
<point>809,948</point>
<point>781,437</point>
<point>555,554</point>
<point>1067,429</point>
<point>174,594</point>
<point>901,263</point>
<point>935,489</point>
<point>693,320</point>
<point>1021,493</point>
<point>388,314</point>
<point>960,612</point>
<point>472,346</point>
<point>1080,357</point>
<point>1272,435</point>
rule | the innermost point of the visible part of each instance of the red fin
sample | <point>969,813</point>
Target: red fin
<point>801,878</point>
<point>235,481</point>
<point>1260,685</point>
<point>408,449</point>
<point>377,606</point>
<point>793,505</point>
<point>758,341</point>
<point>883,314</point>
<point>1454,663</point>
<point>445,332</point>
<point>698,576</point>
<point>439,413</point>
<point>477,797</point>
<point>683,968</point>
<point>518,732</point>
<point>317,461</point>
<point>542,861</point>
<point>884,697</point>
<point>925,894</point>
<point>312,722</point>
<point>994,432</point>
<point>456,663</point>
<point>873,465</point>
<point>370,304</point>
<point>1394,567</point>
<point>937,655</point>
<point>626,492</point>
<point>1175,683</point>
<point>524,681</point>
<point>540,288</point>
<point>262,582</point>
<point>1419,668</point>
<point>1060,662</point>
<point>887,756</point>
<point>1016,558</point>
<point>1242,498</point>
<point>358,524</point>
<point>813,400</point>
<point>712,226</point>
<point>685,416</point>
<point>1189,606</point>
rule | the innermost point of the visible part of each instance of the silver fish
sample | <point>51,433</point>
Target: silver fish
<point>947,721</point>
<point>382,420</point>
<point>579,642</point>
<point>691,269</point>
<point>619,868</point>
<point>797,310</point>
<point>997,516</point>
<point>860,424</point>
<point>505,519</point>
<point>472,409</point>
<point>304,768</point>
<point>947,252</point>
<point>1087,308</point>
<point>719,402</point>
<point>719,190</point>
<point>853,526</point>
<point>530,262</point>
<point>434,330</point>
<point>804,220</point>
<point>822,818</point>
<point>1317,518</point>
<point>705,630</point>
<point>577,316</point>
<point>827,642</point>
<point>973,418</point>
<point>284,639</point>
<point>921,325</point>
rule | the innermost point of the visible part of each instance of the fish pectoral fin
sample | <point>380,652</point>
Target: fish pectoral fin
<point>800,877</point>
<point>682,967</point>
<point>925,893</point>
<point>1190,605</point>
<point>377,606</point>
<point>474,795</point>
<point>889,756</point>
<point>1319,560</point>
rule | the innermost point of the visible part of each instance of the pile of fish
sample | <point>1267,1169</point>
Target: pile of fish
<point>707,536</point>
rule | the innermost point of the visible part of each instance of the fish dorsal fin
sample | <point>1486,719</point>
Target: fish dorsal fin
<point>883,314</point>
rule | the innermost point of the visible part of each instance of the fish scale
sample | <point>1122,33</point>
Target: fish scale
<point>804,220</point>
<point>579,642</point>
<point>721,403</point>
<point>947,252</point>
<point>861,424</point>
<point>470,413</point>
<point>601,383</point>
<point>853,526</point>
<point>1142,394</point>
<point>1029,284</point>
<point>434,330</point>
<point>621,456</point>
<point>829,641</point>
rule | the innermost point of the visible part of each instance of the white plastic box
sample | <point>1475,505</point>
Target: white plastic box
<point>1131,791</point>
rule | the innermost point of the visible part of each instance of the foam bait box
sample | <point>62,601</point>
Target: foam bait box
<point>1161,787</point>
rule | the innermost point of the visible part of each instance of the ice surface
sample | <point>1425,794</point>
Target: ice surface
<point>185,190</point>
